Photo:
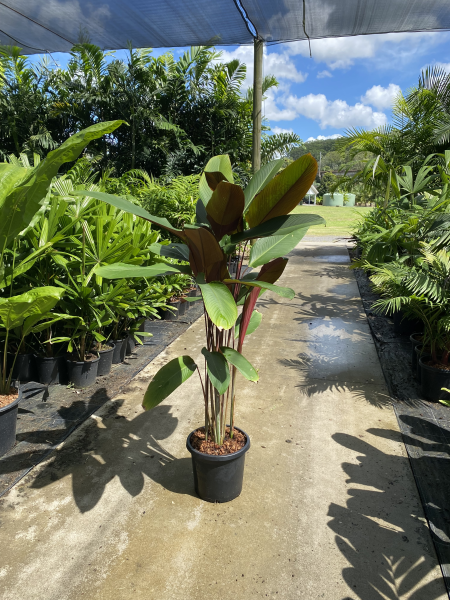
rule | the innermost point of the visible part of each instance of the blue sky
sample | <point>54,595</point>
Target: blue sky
<point>348,82</point>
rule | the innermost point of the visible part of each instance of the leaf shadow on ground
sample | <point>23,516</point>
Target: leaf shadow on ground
<point>113,445</point>
<point>382,534</point>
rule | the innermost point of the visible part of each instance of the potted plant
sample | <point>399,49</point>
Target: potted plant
<point>226,217</point>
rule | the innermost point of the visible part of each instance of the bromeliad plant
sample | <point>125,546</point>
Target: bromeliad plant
<point>227,220</point>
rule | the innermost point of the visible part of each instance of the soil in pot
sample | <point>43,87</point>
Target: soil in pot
<point>218,471</point>
<point>120,347</point>
<point>24,367</point>
<point>9,405</point>
<point>171,314</point>
<point>434,376</point>
<point>131,344</point>
<point>83,373</point>
<point>51,370</point>
<point>105,352</point>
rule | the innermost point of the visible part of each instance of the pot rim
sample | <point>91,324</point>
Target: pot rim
<point>39,357</point>
<point>13,404</point>
<point>412,339</point>
<point>215,457</point>
<point>83,362</point>
<point>110,349</point>
<point>429,368</point>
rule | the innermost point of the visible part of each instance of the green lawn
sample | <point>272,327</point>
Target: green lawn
<point>339,219</point>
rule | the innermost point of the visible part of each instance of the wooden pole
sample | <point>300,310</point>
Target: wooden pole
<point>257,103</point>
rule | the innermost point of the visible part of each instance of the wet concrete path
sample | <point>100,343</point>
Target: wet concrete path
<point>329,507</point>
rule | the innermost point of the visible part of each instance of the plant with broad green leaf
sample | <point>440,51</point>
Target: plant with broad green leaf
<point>227,219</point>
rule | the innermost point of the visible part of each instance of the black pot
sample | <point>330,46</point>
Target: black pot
<point>106,359</point>
<point>82,374</point>
<point>51,370</point>
<point>183,308</point>
<point>218,478</point>
<point>406,326</point>
<point>193,292</point>
<point>8,422</point>
<point>131,344</point>
<point>432,380</point>
<point>24,367</point>
<point>120,347</point>
<point>414,344</point>
<point>172,315</point>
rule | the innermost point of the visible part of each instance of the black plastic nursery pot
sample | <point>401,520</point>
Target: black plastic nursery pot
<point>183,308</point>
<point>404,325</point>
<point>51,370</point>
<point>172,313</point>
<point>8,422</point>
<point>82,374</point>
<point>131,344</point>
<point>218,478</point>
<point>432,380</point>
<point>24,367</point>
<point>106,359</point>
<point>414,343</point>
<point>120,347</point>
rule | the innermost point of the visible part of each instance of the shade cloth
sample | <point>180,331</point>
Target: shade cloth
<point>55,25</point>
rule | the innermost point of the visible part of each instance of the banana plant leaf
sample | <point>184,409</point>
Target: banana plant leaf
<point>219,304</point>
<point>206,256</point>
<point>224,210</point>
<point>283,192</point>
<point>177,251</point>
<point>21,197</point>
<point>254,323</point>
<point>275,246</point>
<point>284,292</point>
<point>260,179</point>
<point>216,164</point>
<point>167,380</point>
<point>240,362</point>
<point>218,370</point>
<point>278,226</point>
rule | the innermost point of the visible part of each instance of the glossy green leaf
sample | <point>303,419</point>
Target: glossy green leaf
<point>255,322</point>
<point>278,226</point>
<point>284,292</point>
<point>266,249</point>
<point>281,195</point>
<point>236,359</point>
<point>167,379</point>
<point>221,164</point>
<point>260,179</point>
<point>177,251</point>
<point>218,370</point>
<point>130,208</point>
<point>219,304</point>
<point>21,195</point>
<point>125,271</point>
<point>40,301</point>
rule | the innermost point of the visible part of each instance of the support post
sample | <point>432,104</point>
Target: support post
<point>257,103</point>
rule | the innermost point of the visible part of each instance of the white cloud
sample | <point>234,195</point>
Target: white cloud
<point>323,74</point>
<point>335,136</point>
<point>381,97</point>
<point>341,53</point>
<point>328,113</point>
<point>281,130</point>
<point>440,65</point>
<point>280,65</point>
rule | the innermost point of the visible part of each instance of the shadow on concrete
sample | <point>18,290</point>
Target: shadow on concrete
<point>370,529</point>
<point>114,446</point>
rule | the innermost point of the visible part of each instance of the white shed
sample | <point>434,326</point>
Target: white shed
<point>312,192</point>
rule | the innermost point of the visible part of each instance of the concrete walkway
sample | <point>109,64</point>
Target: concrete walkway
<point>329,507</point>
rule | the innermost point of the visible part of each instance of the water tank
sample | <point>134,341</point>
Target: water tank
<point>349,199</point>
<point>333,200</point>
